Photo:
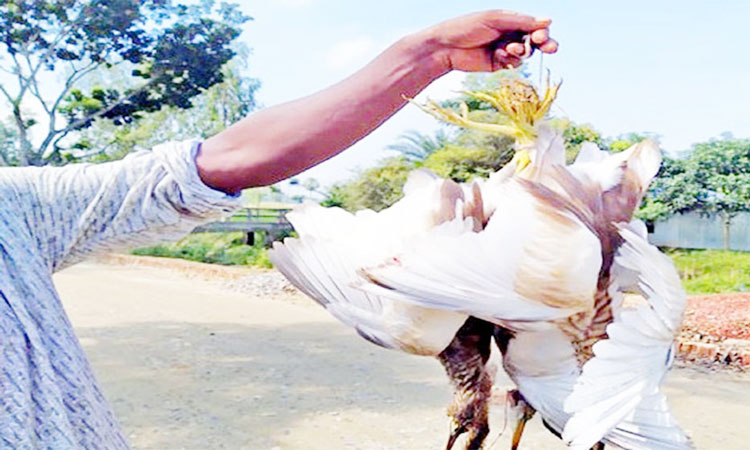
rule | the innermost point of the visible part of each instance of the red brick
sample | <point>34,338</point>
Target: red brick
<point>706,351</point>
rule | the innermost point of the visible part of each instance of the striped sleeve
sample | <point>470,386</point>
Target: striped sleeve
<point>151,196</point>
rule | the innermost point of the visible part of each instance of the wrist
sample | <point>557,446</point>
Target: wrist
<point>424,51</point>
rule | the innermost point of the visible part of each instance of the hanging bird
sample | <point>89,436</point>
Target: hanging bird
<point>538,257</point>
<point>334,244</point>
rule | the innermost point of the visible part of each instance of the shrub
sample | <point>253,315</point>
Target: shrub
<point>216,248</point>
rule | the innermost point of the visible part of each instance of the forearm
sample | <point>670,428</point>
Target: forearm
<point>284,140</point>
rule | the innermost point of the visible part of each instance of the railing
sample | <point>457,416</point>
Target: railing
<point>271,221</point>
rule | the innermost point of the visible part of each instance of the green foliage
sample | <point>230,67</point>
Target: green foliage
<point>712,271</point>
<point>626,141</point>
<point>216,248</point>
<point>576,134</point>
<point>375,188</point>
<point>714,179</point>
<point>416,146</point>
<point>171,53</point>
<point>464,163</point>
<point>212,111</point>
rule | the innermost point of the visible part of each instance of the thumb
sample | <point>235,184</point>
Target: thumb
<point>507,21</point>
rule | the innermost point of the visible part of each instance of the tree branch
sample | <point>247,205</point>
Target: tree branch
<point>6,93</point>
<point>75,76</point>
<point>61,133</point>
<point>22,81</point>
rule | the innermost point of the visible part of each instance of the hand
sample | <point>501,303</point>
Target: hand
<point>488,41</point>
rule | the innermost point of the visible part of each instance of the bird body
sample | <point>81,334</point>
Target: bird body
<point>598,365</point>
<point>539,255</point>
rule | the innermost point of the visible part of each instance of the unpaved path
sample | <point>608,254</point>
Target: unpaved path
<point>190,365</point>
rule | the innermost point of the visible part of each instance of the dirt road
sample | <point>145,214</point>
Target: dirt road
<point>189,365</point>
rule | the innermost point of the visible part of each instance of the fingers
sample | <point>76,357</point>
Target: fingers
<point>502,59</point>
<point>550,46</point>
<point>516,49</point>
<point>539,37</point>
<point>541,40</point>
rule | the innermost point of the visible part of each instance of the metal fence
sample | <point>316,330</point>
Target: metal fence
<point>693,231</point>
<point>269,220</point>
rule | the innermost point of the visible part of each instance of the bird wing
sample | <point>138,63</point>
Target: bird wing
<point>533,261</point>
<point>651,426</point>
<point>334,243</point>
<point>325,271</point>
<point>619,386</point>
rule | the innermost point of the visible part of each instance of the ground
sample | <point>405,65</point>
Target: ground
<point>195,364</point>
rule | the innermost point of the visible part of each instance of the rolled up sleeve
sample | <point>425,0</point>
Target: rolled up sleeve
<point>73,211</point>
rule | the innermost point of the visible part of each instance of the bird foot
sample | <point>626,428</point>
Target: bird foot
<point>520,412</point>
<point>469,414</point>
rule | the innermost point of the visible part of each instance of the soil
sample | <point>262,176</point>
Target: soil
<point>244,362</point>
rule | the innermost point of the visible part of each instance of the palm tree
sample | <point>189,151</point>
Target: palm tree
<point>416,146</point>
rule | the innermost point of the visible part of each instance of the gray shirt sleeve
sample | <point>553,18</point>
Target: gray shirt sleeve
<point>70,212</point>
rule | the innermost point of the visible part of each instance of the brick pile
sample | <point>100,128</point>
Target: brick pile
<point>716,329</point>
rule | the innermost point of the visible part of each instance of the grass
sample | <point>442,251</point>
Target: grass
<point>215,248</point>
<point>712,271</point>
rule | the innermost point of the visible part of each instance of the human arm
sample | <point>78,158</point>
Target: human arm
<point>63,214</point>
<point>284,140</point>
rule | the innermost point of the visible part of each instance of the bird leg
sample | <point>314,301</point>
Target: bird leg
<point>464,361</point>
<point>522,411</point>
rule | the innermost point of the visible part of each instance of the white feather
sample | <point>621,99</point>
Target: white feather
<point>478,273</point>
<point>334,244</point>
<point>628,367</point>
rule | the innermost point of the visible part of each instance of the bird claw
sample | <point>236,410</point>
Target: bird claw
<point>458,430</point>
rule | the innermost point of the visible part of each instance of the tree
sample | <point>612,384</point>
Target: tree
<point>713,180</point>
<point>215,109</point>
<point>625,141</point>
<point>375,188</point>
<point>171,52</point>
<point>416,146</point>
<point>575,135</point>
<point>463,163</point>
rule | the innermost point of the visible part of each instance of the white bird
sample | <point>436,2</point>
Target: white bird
<point>593,374</point>
<point>539,256</point>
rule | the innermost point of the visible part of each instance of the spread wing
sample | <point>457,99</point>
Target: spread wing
<point>617,395</point>
<point>325,271</point>
<point>334,243</point>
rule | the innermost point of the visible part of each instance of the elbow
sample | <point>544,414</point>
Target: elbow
<point>232,168</point>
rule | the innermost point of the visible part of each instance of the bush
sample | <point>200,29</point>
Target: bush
<point>215,248</point>
<point>376,188</point>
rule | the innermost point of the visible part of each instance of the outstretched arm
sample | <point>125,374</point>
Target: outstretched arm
<point>284,140</point>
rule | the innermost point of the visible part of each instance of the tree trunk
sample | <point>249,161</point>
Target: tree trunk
<point>25,149</point>
<point>726,222</point>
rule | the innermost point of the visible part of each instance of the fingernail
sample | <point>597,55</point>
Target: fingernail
<point>543,19</point>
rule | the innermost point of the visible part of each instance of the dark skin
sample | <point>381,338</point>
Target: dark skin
<point>282,141</point>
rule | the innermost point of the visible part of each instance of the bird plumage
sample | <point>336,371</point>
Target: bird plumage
<point>540,253</point>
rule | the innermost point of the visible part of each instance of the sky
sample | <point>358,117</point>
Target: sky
<point>678,69</point>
